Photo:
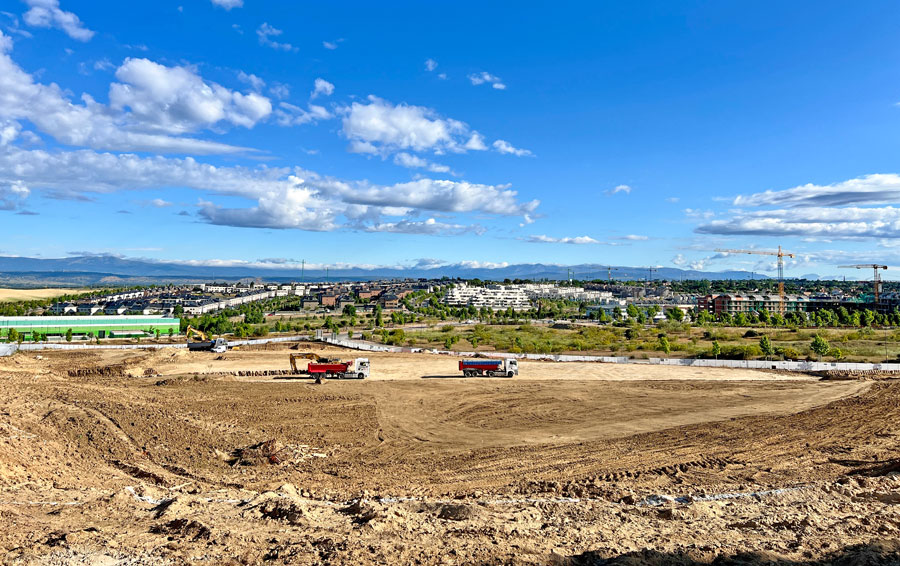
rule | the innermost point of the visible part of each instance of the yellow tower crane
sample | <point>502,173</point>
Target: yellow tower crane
<point>781,255</point>
<point>876,280</point>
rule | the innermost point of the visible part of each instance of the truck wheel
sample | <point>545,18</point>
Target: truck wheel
<point>360,376</point>
<point>509,374</point>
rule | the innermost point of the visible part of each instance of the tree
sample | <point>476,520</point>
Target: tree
<point>836,353</point>
<point>716,349</point>
<point>664,345</point>
<point>766,346</point>
<point>178,311</point>
<point>13,335</point>
<point>171,331</point>
<point>69,335</point>
<point>349,310</point>
<point>378,321</point>
<point>820,346</point>
<point>632,311</point>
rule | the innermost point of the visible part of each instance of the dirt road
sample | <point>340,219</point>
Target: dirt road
<point>565,462</point>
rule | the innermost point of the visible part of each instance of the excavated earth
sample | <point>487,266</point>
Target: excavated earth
<point>176,457</point>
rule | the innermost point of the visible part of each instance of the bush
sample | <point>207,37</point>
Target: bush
<point>741,352</point>
<point>751,334</point>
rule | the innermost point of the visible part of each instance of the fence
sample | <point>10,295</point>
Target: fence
<point>9,349</point>
<point>739,364</point>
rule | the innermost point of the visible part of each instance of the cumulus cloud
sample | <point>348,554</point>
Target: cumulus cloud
<point>48,14</point>
<point>265,33</point>
<point>322,87</point>
<point>281,197</point>
<point>379,126</point>
<point>430,64</point>
<point>177,100</point>
<point>578,240</point>
<point>13,195</point>
<point>159,203</point>
<point>505,147</point>
<point>91,124</point>
<point>487,78</point>
<point>228,4</point>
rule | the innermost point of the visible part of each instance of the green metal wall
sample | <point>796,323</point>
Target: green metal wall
<point>83,325</point>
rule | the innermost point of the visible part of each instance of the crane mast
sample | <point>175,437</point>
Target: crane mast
<point>876,279</point>
<point>780,254</point>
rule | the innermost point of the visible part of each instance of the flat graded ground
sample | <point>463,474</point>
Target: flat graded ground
<point>33,294</point>
<point>156,457</point>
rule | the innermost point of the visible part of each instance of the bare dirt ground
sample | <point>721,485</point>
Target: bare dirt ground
<point>162,458</point>
<point>33,294</point>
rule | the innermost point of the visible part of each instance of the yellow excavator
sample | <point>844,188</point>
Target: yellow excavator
<point>218,345</point>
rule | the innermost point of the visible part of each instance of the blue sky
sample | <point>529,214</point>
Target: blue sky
<point>439,133</point>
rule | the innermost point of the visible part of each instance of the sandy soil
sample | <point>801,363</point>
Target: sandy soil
<point>145,457</point>
<point>33,294</point>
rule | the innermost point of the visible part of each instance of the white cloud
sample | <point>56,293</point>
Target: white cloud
<point>381,127</point>
<point>322,87</point>
<point>256,83</point>
<point>279,90</point>
<point>578,240</point>
<point>281,197</point>
<point>820,222</point>
<point>177,100</point>
<point>870,189</point>
<point>672,199</point>
<point>415,162</point>
<point>13,195</point>
<point>439,195</point>
<point>475,142</point>
<point>265,33</point>
<point>635,238</point>
<point>442,76</point>
<point>505,147</point>
<point>619,189</point>
<point>229,4</point>
<point>430,64</point>
<point>290,115</point>
<point>487,78</point>
<point>89,124</point>
<point>428,227</point>
<point>329,45</point>
<point>47,14</point>
<point>159,203</point>
<point>103,65</point>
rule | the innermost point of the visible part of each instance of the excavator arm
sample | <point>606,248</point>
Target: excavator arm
<point>191,331</point>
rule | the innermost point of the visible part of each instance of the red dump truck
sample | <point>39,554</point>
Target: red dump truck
<point>358,368</point>
<point>506,367</point>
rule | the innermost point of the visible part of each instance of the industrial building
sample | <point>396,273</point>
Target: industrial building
<point>101,326</point>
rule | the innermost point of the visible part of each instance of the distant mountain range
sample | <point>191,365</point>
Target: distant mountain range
<point>114,270</point>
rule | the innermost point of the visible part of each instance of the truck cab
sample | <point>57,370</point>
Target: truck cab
<point>512,367</point>
<point>362,367</point>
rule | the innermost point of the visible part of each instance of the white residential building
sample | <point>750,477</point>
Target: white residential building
<point>496,297</point>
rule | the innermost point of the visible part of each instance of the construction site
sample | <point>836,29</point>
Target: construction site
<point>179,456</point>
